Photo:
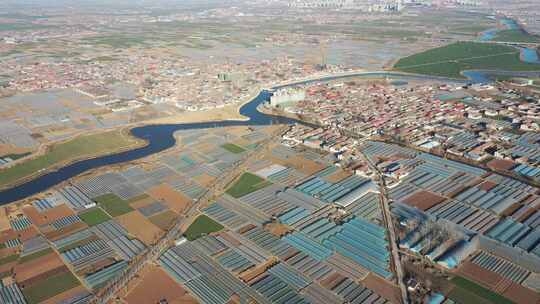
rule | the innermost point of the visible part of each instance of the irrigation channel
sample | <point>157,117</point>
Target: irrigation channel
<point>161,137</point>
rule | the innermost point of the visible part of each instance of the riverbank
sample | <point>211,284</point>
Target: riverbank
<point>64,153</point>
<point>49,158</point>
<point>160,137</point>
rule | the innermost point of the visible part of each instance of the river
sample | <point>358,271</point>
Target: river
<point>490,34</point>
<point>529,55</point>
<point>161,137</point>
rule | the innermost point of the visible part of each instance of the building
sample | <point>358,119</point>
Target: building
<point>285,97</point>
<point>363,5</point>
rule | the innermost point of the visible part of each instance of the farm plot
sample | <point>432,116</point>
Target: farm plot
<point>137,225</point>
<point>170,197</point>
<point>202,225</point>
<point>94,217</point>
<point>233,148</point>
<point>114,205</point>
<point>50,287</point>
<point>246,184</point>
<point>452,60</point>
<point>469,292</point>
<point>156,286</point>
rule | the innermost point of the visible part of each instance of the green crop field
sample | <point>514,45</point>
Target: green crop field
<point>49,287</point>
<point>469,292</point>
<point>516,36</point>
<point>94,217</point>
<point>114,205</point>
<point>233,148</point>
<point>247,183</point>
<point>78,148</point>
<point>451,60</point>
<point>202,225</point>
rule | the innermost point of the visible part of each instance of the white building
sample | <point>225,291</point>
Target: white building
<point>287,96</point>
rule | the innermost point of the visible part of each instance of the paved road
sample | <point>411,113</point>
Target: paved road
<point>387,217</point>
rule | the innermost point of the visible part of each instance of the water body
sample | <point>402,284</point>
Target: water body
<point>530,55</point>
<point>488,35</point>
<point>477,76</point>
<point>161,137</point>
<point>510,24</point>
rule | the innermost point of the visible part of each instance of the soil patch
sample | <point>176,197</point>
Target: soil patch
<point>175,200</point>
<point>139,226</point>
<point>155,286</point>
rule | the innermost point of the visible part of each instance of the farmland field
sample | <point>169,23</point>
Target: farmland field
<point>139,226</point>
<point>469,292</point>
<point>452,60</point>
<point>155,286</point>
<point>246,184</point>
<point>114,205</point>
<point>164,219</point>
<point>516,36</point>
<point>50,287</point>
<point>94,217</point>
<point>233,148</point>
<point>78,148</point>
<point>35,255</point>
<point>202,225</point>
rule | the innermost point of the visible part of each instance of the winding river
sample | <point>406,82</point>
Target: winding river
<point>161,137</point>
